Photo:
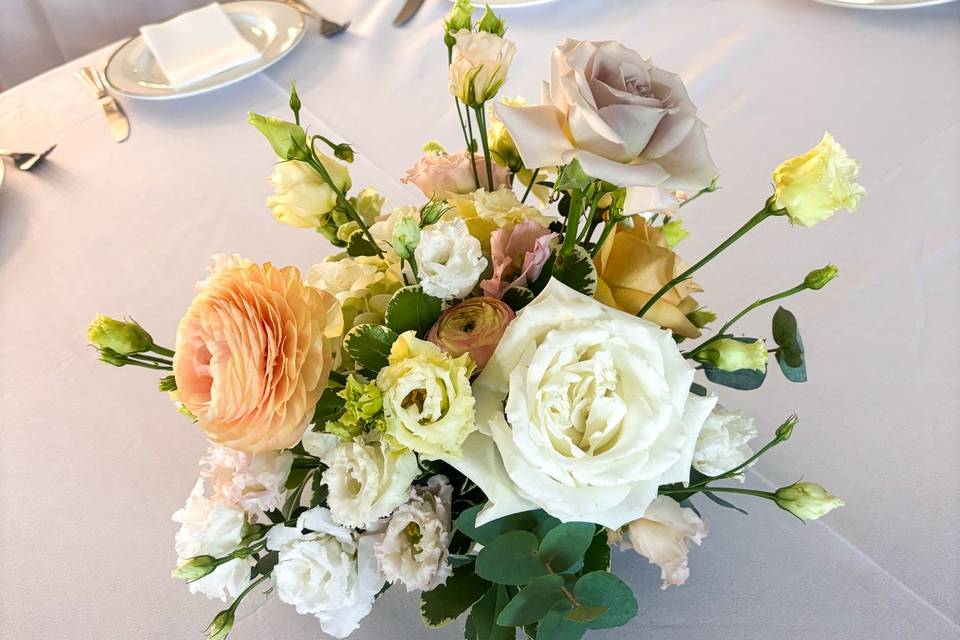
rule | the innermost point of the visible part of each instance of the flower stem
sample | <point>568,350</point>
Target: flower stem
<point>747,492</point>
<point>243,594</point>
<point>757,218</point>
<point>708,189</point>
<point>342,200</point>
<point>533,179</point>
<point>161,350</point>
<point>482,126</point>
<point>573,224</point>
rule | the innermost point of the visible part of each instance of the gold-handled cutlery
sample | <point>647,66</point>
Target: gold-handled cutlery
<point>26,161</point>
<point>409,10</point>
<point>119,125</point>
<point>328,28</point>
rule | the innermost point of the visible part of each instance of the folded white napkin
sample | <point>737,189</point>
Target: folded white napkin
<point>196,45</point>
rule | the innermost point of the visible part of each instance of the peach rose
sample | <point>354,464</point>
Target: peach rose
<point>253,354</point>
<point>441,174</point>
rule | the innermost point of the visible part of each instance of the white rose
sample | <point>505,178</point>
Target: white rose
<point>661,536</point>
<point>413,549</point>
<point>724,442</point>
<point>626,121</point>
<point>211,528</point>
<point>367,481</point>
<point>583,411</point>
<point>449,259</point>
<point>327,571</point>
<point>479,65</point>
<point>253,482</point>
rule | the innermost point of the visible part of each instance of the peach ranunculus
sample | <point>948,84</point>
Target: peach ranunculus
<point>442,174</point>
<point>253,354</point>
<point>518,256</point>
<point>633,264</point>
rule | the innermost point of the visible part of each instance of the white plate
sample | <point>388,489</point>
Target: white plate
<point>273,28</point>
<point>506,4</point>
<point>883,4</point>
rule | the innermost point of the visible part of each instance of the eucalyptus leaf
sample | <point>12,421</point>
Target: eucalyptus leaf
<point>787,336</point>
<point>743,379</point>
<point>578,272</point>
<point>511,558</point>
<point>585,614</point>
<point>481,624</point>
<point>410,309</point>
<point>597,557</point>
<point>369,345</point>
<point>793,374</point>
<point>445,603</point>
<point>359,245</point>
<point>532,602</point>
<point>602,588</point>
<point>485,534</point>
<point>546,524</point>
<point>555,627</point>
<point>564,545</point>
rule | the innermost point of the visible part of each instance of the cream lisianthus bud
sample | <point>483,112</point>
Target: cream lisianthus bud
<point>406,236</point>
<point>818,278</point>
<point>728,354</point>
<point>122,337</point>
<point>479,66</point>
<point>813,186</point>
<point>807,500</point>
<point>196,568</point>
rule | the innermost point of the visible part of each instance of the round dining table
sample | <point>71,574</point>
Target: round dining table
<point>94,460</point>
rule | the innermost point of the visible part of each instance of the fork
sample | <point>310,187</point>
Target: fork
<point>26,161</point>
<point>328,28</point>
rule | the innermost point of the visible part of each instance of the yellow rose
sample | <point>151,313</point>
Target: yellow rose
<point>486,211</point>
<point>427,399</point>
<point>633,264</point>
<point>253,354</point>
<point>301,197</point>
<point>815,185</point>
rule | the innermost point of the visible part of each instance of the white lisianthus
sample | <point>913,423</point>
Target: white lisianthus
<point>367,481</point>
<point>253,482</point>
<point>318,443</point>
<point>662,536</point>
<point>479,65</point>
<point>724,442</point>
<point>211,528</point>
<point>328,571</point>
<point>413,549</point>
<point>449,259</point>
<point>583,411</point>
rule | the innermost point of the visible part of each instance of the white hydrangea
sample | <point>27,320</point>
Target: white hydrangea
<point>367,481</point>
<point>209,527</point>
<point>414,547</point>
<point>328,571</point>
<point>723,443</point>
<point>252,482</point>
<point>449,259</point>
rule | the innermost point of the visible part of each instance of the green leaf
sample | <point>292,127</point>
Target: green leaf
<point>266,564</point>
<point>545,525</point>
<point>318,490</point>
<point>793,374</point>
<point>597,556</point>
<point>369,345</point>
<point>698,389</point>
<point>328,409</point>
<point>564,546</point>
<point>573,177</point>
<point>467,523</point>
<point>533,602</point>
<point>602,588</point>
<point>511,559</point>
<point>723,503</point>
<point>296,477</point>
<point>410,309</point>
<point>787,336</point>
<point>359,245</point>
<point>444,604</point>
<point>743,379</point>
<point>481,624</point>
<point>554,627</point>
<point>518,297</point>
<point>578,272</point>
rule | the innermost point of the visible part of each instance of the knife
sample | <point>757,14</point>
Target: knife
<point>408,11</point>
<point>119,125</point>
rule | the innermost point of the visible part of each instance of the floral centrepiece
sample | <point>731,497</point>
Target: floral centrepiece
<point>480,393</point>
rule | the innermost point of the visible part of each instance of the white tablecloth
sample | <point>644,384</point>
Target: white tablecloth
<point>93,460</point>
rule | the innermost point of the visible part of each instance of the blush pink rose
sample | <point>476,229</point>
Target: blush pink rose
<point>518,256</point>
<point>438,174</point>
<point>253,354</point>
<point>474,326</point>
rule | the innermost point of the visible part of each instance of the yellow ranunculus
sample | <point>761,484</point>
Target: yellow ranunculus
<point>427,399</point>
<point>815,185</point>
<point>301,197</point>
<point>633,264</point>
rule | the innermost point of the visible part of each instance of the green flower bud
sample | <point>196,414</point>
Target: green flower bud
<point>818,278</point>
<point>295,102</point>
<point>460,17</point>
<point>786,429</point>
<point>363,410</point>
<point>111,357</point>
<point>431,212</point>
<point>118,336</point>
<point>196,568</point>
<point>252,532</point>
<point>491,23</point>
<point>168,383</point>
<point>406,236</point>
<point>221,625</point>
<point>701,317</point>
<point>432,146</point>
<point>289,141</point>
<point>343,151</point>
<point>807,500</point>
<point>728,354</point>
<point>673,232</point>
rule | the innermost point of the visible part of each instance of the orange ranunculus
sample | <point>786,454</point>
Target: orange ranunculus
<point>253,354</point>
<point>632,265</point>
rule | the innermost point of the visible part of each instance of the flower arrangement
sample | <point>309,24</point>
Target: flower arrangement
<point>479,395</point>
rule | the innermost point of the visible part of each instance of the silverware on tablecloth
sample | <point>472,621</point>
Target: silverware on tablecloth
<point>119,125</point>
<point>408,11</point>
<point>328,28</point>
<point>26,161</point>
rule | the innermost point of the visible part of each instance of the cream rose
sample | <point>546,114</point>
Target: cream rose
<point>301,197</point>
<point>253,354</point>
<point>479,65</point>
<point>427,399</point>
<point>626,121</point>
<point>583,411</point>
